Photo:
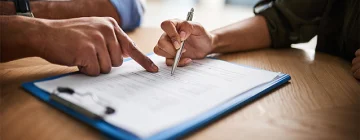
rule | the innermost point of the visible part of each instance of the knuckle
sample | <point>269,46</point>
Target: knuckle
<point>87,52</point>
<point>186,23</point>
<point>88,48</point>
<point>112,20</point>
<point>97,36</point>
<point>161,43</point>
<point>163,46</point>
<point>165,37</point>
<point>107,28</point>
<point>156,49</point>
<point>90,18</point>
<point>198,25</point>
<point>165,23</point>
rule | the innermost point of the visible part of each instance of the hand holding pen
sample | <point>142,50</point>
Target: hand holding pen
<point>198,42</point>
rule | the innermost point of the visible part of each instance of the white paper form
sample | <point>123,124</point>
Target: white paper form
<point>147,103</point>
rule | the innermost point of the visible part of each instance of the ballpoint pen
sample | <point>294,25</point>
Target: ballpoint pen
<point>178,52</point>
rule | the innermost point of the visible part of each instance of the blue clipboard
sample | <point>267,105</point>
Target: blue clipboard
<point>175,132</point>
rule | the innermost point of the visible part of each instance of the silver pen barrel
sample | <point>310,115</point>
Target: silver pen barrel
<point>178,52</point>
<point>177,59</point>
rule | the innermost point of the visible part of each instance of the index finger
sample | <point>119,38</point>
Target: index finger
<point>129,47</point>
<point>177,31</point>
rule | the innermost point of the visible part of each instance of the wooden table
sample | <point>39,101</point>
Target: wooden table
<point>322,101</point>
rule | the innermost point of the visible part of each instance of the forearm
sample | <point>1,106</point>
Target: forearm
<point>249,34</point>
<point>7,8</point>
<point>74,8</point>
<point>65,9</point>
<point>17,37</point>
<point>39,8</point>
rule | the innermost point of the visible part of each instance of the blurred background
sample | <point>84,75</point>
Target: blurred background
<point>210,13</point>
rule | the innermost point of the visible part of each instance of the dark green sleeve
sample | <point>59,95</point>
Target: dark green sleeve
<point>291,21</point>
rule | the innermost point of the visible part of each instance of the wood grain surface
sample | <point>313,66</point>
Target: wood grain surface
<point>322,101</point>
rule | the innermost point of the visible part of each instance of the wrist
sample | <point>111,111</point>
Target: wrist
<point>17,39</point>
<point>31,36</point>
<point>214,42</point>
<point>35,36</point>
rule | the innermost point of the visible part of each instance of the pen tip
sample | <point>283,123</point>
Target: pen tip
<point>192,10</point>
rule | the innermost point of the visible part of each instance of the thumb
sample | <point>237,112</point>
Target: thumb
<point>177,31</point>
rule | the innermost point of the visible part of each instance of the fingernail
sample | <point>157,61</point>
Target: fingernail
<point>183,50</point>
<point>182,35</point>
<point>154,67</point>
<point>176,45</point>
<point>188,61</point>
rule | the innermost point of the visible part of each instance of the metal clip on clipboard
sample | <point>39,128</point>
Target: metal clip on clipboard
<point>69,91</point>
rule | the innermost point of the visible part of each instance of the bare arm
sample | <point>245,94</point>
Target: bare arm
<point>66,9</point>
<point>249,34</point>
<point>14,37</point>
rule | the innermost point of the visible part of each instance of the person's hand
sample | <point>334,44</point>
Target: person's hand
<point>198,42</point>
<point>94,44</point>
<point>356,65</point>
